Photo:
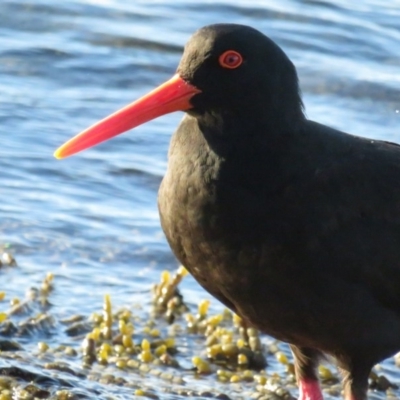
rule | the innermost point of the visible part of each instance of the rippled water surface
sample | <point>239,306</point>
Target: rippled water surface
<point>92,219</point>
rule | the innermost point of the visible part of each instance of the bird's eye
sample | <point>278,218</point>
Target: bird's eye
<point>230,59</point>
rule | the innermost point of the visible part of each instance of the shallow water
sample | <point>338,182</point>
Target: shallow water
<point>92,219</point>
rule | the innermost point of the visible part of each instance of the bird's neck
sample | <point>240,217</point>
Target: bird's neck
<point>227,133</point>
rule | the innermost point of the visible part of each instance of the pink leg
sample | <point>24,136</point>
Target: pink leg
<point>309,390</point>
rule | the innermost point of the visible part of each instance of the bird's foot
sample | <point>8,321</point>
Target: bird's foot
<point>309,390</point>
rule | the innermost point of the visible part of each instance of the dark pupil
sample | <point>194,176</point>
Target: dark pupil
<point>231,59</point>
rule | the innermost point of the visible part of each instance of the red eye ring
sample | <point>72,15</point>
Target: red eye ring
<point>230,59</point>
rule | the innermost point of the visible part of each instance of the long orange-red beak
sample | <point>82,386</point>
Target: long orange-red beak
<point>173,95</point>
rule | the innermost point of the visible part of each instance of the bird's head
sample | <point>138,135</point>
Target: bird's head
<point>227,70</point>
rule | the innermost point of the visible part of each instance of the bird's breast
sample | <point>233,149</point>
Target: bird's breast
<point>189,208</point>
<point>221,222</point>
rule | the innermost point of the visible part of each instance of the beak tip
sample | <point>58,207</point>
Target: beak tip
<point>57,154</point>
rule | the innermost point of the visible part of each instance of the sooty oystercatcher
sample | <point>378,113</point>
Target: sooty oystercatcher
<point>293,225</point>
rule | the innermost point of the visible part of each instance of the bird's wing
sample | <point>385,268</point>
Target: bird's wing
<point>350,212</point>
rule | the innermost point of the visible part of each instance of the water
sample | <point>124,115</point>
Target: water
<point>92,219</point>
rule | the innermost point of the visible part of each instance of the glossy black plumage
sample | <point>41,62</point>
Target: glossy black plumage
<point>293,225</point>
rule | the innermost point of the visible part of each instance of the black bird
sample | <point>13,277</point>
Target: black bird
<point>293,225</point>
